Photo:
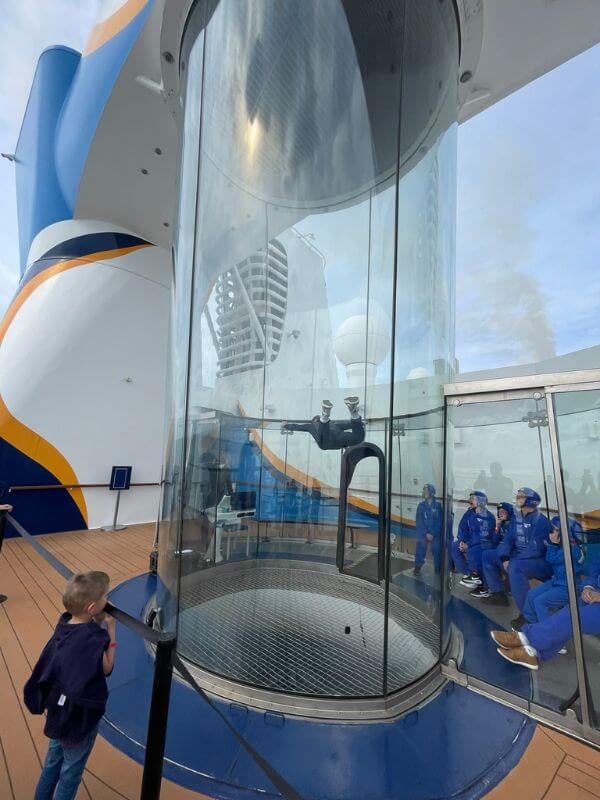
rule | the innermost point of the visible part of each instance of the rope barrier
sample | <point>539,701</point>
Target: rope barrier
<point>167,656</point>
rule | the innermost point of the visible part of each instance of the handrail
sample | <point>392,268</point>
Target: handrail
<point>350,458</point>
<point>45,486</point>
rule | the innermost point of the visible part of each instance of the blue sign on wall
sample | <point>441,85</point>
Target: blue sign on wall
<point>120,478</point>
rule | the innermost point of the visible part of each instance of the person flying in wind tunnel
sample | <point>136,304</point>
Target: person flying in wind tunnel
<point>522,553</point>
<point>504,512</point>
<point>540,641</point>
<point>332,435</point>
<point>553,594</point>
<point>429,529</point>
<point>476,533</point>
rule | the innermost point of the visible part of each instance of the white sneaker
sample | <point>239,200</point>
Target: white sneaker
<point>471,581</point>
<point>352,405</point>
<point>326,407</point>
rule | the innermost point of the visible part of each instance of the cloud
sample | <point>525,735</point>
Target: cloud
<point>502,306</point>
<point>27,28</point>
<point>528,234</point>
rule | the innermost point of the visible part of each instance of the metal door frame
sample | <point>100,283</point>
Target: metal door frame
<point>538,387</point>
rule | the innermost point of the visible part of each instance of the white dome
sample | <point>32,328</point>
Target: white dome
<point>417,372</point>
<point>350,342</point>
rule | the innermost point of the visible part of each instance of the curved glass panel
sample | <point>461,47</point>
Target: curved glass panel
<point>499,447</point>
<point>321,309</point>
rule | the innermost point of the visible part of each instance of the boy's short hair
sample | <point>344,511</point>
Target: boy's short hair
<point>84,588</point>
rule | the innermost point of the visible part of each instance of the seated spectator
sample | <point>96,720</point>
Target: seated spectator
<point>521,554</point>
<point>504,513</point>
<point>553,594</point>
<point>476,533</point>
<point>540,641</point>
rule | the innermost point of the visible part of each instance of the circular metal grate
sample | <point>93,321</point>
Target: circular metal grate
<point>303,632</point>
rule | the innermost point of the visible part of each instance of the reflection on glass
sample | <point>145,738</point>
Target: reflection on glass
<point>170,553</point>
<point>578,430</point>
<point>315,214</point>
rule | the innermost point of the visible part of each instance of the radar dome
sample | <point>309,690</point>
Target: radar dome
<point>362,342</point>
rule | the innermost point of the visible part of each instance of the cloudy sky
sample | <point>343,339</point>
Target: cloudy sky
<point>528,234</point>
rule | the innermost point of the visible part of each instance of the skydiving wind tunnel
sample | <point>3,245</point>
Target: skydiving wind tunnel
<point>314,262</point>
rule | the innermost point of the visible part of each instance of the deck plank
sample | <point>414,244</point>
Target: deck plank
<point>27,619</point>
<point>554,767</point>
<point>5,785</point>
<point>562,789</point>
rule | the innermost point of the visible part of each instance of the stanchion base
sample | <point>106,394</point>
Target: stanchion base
<point>3,597</point>
<point>113,527</point>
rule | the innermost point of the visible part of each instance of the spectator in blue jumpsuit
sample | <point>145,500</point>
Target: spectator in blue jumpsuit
<point>429,529</point>
<point>521,553</point>
<point>476,533</point>
<point>541,641</point>
<point>504,512</point>
<point>553,594</point>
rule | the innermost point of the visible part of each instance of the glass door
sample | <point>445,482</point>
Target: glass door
<point>500,466</point>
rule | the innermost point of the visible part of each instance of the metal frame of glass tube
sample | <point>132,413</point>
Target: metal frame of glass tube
<point>539,387</point>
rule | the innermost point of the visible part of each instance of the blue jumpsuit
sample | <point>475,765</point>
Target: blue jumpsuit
<point>553,594</point>
<point>524,547</point>
<point>479,532</point>
<point>551,635</point>
<point>429,520</point>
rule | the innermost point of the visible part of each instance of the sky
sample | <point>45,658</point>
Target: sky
<point>26,28</point>
<point>528,206</point>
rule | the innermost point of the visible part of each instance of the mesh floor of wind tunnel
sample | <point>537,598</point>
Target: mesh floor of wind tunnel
<point>303,632</point>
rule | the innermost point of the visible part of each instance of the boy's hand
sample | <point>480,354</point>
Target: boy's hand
<point>6,507</point>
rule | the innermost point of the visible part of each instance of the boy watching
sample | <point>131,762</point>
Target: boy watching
<point>69,683</point>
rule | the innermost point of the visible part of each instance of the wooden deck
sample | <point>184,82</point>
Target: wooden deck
<point>554,766</point>
<point>27,619</point>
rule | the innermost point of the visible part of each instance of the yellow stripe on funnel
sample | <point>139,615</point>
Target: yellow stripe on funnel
<point>16,433</point>
<point>42,452</point>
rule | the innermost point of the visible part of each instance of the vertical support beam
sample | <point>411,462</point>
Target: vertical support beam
<point>3,597</point>
<point>157,720</point>
<point>584,693</point>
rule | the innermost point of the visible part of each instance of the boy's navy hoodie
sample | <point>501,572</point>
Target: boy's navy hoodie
<point>68,681</point>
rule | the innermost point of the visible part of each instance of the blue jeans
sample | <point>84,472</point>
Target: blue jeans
<point>543,599</point>
<point>63,769</point>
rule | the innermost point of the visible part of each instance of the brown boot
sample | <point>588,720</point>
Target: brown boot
<point>506,639</point>
<point>520,656</point>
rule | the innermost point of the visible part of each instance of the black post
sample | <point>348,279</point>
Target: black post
<point>3,597</point>
<point>157,720</point>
